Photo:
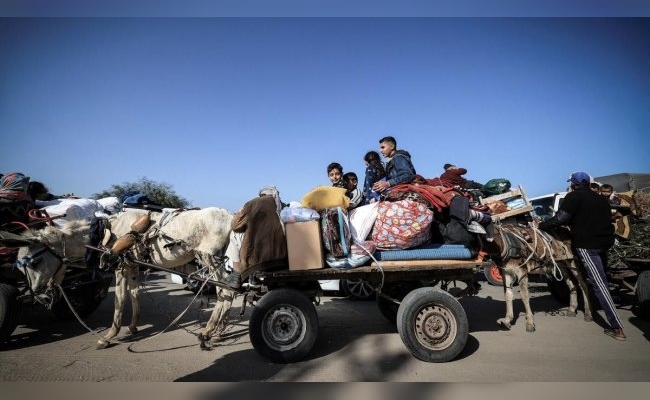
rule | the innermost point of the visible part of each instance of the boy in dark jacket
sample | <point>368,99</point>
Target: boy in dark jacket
<point>399,168</point>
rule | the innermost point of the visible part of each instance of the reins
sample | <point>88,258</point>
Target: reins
<point>211,276</point>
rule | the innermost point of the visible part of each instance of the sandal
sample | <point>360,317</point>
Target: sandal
<point>615,333</point>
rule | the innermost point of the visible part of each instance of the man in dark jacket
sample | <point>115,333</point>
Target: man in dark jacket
<point>399,168</point>
<point>589,216</point>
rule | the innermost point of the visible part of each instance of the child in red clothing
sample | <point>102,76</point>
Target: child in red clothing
<point>453,176</point>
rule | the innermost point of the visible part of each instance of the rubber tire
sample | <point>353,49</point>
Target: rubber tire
<point>643,294</point>
<point>425,307</point>
<point>10,309</point>
<point>84,298</point>
<point>493,275</point>
<point>357,289</point>
<point>280,308</point>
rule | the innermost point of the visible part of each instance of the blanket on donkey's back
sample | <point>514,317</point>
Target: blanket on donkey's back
<point>66,210</point>
<point>433,251</point>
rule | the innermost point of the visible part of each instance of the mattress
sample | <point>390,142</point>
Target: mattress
<point>428,252</point>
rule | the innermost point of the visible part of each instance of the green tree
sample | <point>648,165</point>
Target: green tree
<point>158,193</point>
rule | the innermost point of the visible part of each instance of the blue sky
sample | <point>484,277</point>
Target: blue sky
<point>218,107</point>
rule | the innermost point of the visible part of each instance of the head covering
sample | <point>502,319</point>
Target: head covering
<point>272,191</point>
<point>13,186</point>
<point>579,178</point>
<point>447,166</point>
<point>14,181</point>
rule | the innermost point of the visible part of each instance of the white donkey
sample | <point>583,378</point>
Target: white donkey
<point>42,258</point>
<point>168,240</point>
<point>44,255</point>
<point>520,250</point>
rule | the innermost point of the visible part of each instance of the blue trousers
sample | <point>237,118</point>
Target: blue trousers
<point>594,261</point>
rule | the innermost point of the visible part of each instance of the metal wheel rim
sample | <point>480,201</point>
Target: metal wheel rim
<point>360,288</point>
<point>435,327</point>
<point>284,327</point>
<point>495,273</point>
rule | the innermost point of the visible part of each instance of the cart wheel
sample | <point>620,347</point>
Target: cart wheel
<point>85,295</point>
<point>493,275</point>
<point>432,324</point>
<point>357,289</point>
<point>643,293</point>
<point>9,311</point>
<point>284,325</point>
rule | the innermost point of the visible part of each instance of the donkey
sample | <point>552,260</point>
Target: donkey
<point>519,250</point>
<point>169,240</point>
<point>44,255</point>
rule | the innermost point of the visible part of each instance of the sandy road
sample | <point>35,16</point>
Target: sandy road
<point>355,343</point>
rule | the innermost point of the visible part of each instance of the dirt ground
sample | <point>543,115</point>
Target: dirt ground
<point>355,344</point>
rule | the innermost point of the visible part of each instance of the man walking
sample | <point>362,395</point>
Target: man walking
<point>592,234</point>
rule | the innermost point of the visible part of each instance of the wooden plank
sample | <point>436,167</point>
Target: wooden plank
<point>523,195</point>
<point>506,195</point>
<point>513,194</point>
<point>439,264</point>
<point>510,213</point>
<point>405,266</point>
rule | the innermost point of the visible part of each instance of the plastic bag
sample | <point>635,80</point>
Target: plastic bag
<point>362,219</point>
<point>495,186</point>
<point>298,214</point>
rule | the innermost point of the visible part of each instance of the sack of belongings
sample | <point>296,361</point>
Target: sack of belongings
<point>402,224</point>
<point>495,186</point>
<point>362,219</point>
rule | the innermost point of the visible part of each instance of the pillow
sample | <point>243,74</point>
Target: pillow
<point>323,197</point>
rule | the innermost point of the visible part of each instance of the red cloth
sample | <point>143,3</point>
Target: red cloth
<point>439,197</point>
<point>454,176</point>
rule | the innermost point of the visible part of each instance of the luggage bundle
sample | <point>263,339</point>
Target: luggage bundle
<point>412,217</point>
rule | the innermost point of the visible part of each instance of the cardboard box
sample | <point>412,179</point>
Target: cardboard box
<point>304,245</point>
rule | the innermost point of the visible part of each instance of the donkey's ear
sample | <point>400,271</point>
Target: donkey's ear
<point>8,239</point>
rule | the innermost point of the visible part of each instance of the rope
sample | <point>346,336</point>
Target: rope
<point>212,275</point>
<point>381,270</point>
<point>174,321</point>
<point>74,312</point>
<point>547,253</point>
<point>557,271</point>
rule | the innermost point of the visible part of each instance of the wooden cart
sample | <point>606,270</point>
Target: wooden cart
<point>430,321</point>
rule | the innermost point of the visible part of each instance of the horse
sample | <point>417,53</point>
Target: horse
<point>519,249</point>
<point>169,240</point>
